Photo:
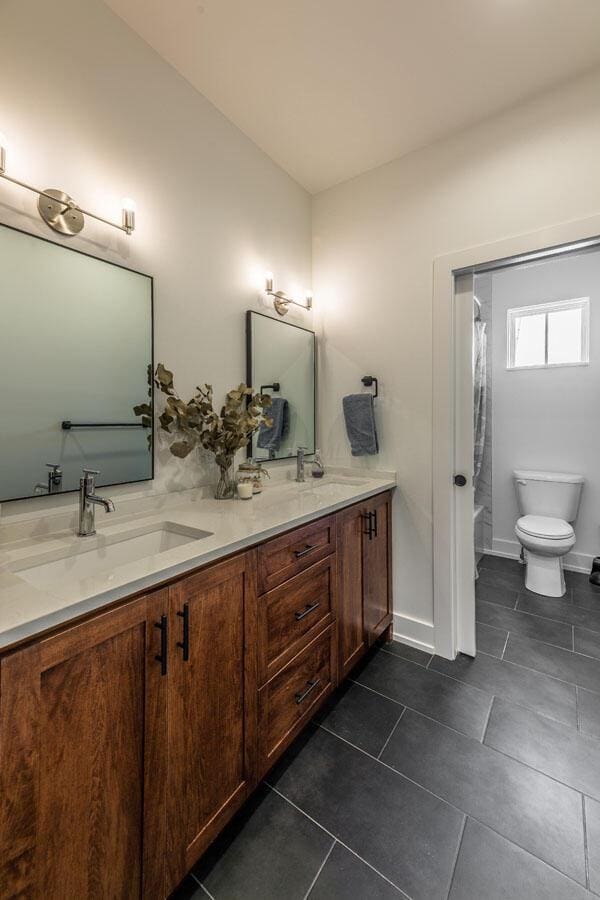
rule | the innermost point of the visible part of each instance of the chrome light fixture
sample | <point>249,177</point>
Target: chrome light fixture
<point>281,301</point>
<point>60,211</point>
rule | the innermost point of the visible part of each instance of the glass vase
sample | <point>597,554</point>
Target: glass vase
<point>225,489</point>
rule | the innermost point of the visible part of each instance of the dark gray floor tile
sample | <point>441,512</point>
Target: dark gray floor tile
<point>539,814</point>
<point>580,581</point>
<point>589,712</point>
<point>189,889</point>
<point>535,627</point>
<point>491,868</point>
<point>507,581</point>
<point>560,611</point>
<point>587,642</point>
<point>490,640</point>
<point>498,595</point>
<point>401,830</point>
<point>270,850</point>
<point>549,746</point>
<point>409,653</point>
<point>361,717</point>
<point>587,599</point>
<point>592,820</point>
<point>444,699</point>
<point>531,689</point>
<point>501,564</point>
<point>345,877</point>
<point>554,661</point>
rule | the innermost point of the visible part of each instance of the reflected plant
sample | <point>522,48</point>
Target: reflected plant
<point>145,409</point>
<point>198,424</point>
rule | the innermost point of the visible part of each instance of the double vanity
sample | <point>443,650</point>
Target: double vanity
<point>151,674</point>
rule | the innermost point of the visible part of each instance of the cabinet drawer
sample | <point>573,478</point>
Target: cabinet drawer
<point>291,553</point>
<point>291,614</point>
<point>290,698</point>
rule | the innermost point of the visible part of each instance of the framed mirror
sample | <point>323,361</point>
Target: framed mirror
<point>281,362</point>
<point>76,356</point>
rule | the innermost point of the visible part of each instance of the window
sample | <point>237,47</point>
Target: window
<point>550,334</point>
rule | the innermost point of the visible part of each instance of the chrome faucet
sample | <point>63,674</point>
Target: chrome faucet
<point>53,485</point>
<point>88,501</point>
<point>300,463</point>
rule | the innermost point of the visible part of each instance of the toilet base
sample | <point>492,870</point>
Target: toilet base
<point>544,575</point>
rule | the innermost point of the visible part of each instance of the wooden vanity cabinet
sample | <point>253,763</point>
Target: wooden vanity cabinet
<point>129,739</point>
<point>364,577</point>
<point>82,763</point>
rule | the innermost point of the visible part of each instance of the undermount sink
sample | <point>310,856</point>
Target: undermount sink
<point>103,553</point>
<point>331,482</point>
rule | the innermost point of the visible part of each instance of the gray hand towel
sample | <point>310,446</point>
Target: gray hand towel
<point>270,438</point>
<point>360,424</point>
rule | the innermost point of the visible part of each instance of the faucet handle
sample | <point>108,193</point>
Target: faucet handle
<point>91,471</point>
<point>54,466</point>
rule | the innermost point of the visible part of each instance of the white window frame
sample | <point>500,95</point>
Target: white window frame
<point>518,312</point>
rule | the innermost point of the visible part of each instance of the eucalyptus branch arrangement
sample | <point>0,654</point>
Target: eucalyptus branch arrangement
<point>197,423</point>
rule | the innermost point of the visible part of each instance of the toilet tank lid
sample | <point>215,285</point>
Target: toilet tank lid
<point>565,477</point>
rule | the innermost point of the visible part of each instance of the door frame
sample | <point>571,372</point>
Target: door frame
<point>448,608</point>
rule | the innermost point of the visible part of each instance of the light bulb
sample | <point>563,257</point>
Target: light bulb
<point>268,281</point>
<point>128,207</point>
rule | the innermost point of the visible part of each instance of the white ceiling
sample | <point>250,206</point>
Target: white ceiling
<point>331,88</point>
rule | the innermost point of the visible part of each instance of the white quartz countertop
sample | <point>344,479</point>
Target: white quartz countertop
<point>231,525</point>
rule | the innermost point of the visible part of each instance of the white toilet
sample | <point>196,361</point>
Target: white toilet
<point>548,503</point>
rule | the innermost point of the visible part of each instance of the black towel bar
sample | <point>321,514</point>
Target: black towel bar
<point>67,425</point>
<point>368,380</point>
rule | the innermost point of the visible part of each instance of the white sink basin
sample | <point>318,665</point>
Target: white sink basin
<point>104,552</point>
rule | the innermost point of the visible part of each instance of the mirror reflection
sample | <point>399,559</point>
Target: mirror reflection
<point>281,362</point>
<point>75,359</point>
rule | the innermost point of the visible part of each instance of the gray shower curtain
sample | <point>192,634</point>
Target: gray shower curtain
<point>479,394</point>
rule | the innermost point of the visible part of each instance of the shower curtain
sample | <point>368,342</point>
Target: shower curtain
<point>479,394</point>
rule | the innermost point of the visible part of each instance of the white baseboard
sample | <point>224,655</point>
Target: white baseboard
<point>414,632</point>
<point>573,562</point>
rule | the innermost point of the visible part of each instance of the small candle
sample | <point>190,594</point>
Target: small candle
<point>244,490</point>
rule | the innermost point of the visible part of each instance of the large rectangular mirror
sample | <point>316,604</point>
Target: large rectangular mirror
<point>281,362</point>
<point>75,358</point>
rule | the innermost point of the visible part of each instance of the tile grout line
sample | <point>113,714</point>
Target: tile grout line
<point>487,721</point>
<point>404,659</point>
<point>526,612</point>
<point>319,870</point>
<point>336,838</point>
<point>460,840</point>
<point>585,844</point>
<point>538,640</point>
<point>198,882</point>
<point>505,645</point>
<point>389,737</point>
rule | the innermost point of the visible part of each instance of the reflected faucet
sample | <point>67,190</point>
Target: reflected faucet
<point>54,483</point>
<point>300,463</point>
<point>88,500</point>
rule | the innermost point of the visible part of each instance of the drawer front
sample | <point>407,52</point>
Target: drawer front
<point>291,553</point>
<point>290,698</point>
<point>293,613</point>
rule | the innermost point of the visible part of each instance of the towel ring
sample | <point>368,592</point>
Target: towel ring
<point>368,380</point>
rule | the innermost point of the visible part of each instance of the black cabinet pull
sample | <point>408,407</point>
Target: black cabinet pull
<point>302,695</point>
<point>185,643</point>
<point>309,608</point>
<point>308,549</point>
<point>366,517</point>
<point>374,514</point>
<point>162,657</point>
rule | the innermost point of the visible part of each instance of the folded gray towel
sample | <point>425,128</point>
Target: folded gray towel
<point>359,414</point>
<point>270,438</point>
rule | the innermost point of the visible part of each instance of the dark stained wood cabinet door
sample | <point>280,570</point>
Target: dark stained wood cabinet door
<point>377,610</point>
<point>212,705</point>
<point>81,716</point>
<point>350,526</point>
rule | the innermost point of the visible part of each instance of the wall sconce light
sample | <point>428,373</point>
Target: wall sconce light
<point>281,301</point>
<point>60,211</point>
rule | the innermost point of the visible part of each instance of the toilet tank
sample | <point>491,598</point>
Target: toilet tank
<point>555,494</point>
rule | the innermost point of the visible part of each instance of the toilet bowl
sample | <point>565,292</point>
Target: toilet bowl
<point>545,541</point>
<point>548,502</point>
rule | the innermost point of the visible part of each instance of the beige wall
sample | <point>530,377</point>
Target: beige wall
<point>88,107</point>
<point>374,242</point>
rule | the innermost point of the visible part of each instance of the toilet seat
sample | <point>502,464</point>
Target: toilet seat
<point>545,528</point>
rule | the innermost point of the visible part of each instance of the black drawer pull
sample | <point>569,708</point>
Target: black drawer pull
<point>308,549</point>
<point>305,612</point>
<point>302,695</point>
<point>185,643</point>
<point>366,517</point>
<point>374,514</point>
<point>162,657</point>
